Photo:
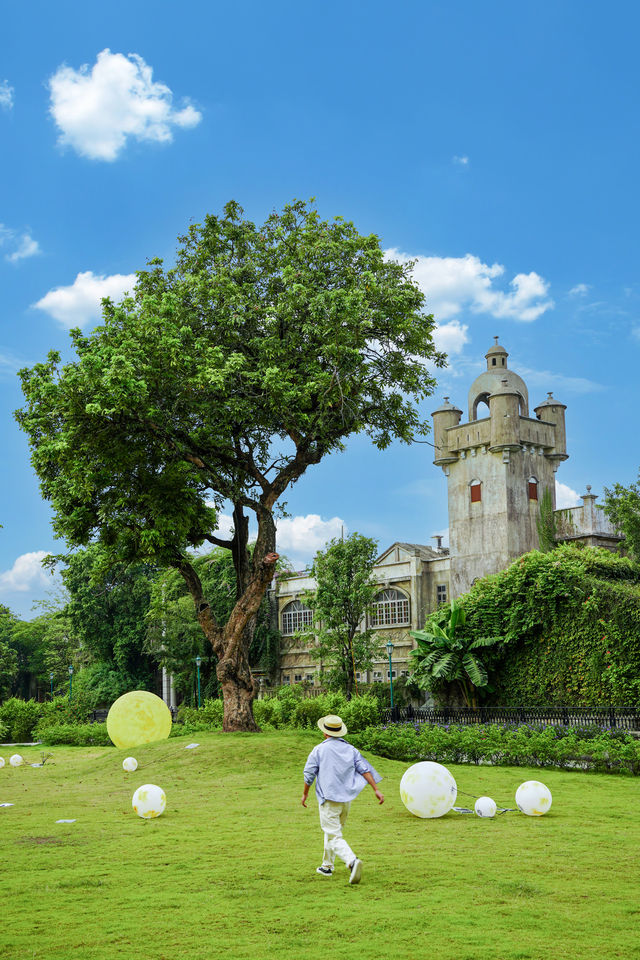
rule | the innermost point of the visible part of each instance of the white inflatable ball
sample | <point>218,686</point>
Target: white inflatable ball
<point>149,801</point>
<point>428,790</point>
<point>533,798</point>
<point>485,807</point>
<point>129,764</point>
<point>1,761</point>
<point>16,760</point>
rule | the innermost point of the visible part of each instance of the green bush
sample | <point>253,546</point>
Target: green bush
<point>3,732</point>
<point>76,734</point>
<point>208,717</point>
<point>59,710</point>
<point>507,745</point>
<point>20,717</point>
<point>571,623</point>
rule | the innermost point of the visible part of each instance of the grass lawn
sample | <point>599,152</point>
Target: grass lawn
<point>229,869</point>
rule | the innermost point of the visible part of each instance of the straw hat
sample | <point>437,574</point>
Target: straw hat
<point>332,726</point>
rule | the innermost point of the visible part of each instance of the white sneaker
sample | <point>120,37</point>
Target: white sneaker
<point>325,871</point>
<point>356,871</point>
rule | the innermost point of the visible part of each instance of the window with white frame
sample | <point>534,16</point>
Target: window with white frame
<point>393,673</point>
<point>309,677</point>
<point>377,676</point>
<point>389,608</point>
<point>441,593</point>
<point>286,680</point>
<point>295,616</point>
<point>297,678</point>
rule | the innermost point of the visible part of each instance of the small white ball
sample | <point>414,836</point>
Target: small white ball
<point>16,760</point>
<point>129,764</point>
<point>1,761</point>
<point>149,801</point>
<point>485,807</point>
<point>533,798</point>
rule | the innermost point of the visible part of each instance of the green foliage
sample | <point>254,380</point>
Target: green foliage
<point>209,716</point>
<point>546,523</point>
<point>20,717</point>
<point>60,710</point>
<point>3,732</point>
<point>571,624</point>
<point>106,608</point>
<point>622,506</point>
<point>75,734</point>
<point>345,589</point>
<point>507,745</point>
<point>446,655</point>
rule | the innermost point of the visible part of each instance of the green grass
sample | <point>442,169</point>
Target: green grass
<point>229,869</point>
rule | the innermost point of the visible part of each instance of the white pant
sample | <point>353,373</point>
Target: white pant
<point>333,817</point>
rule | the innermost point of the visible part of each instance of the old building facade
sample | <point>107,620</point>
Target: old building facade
<point>498,465</point>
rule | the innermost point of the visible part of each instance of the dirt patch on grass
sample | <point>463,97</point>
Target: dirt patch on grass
<point>38,841</point>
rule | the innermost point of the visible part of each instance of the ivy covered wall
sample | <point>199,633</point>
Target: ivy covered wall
<point>571,626</point>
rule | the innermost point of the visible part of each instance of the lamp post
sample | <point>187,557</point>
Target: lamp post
<point>198,662</point>
<point>51,682</point>
<point>70,682</point>
<point>389,647</point>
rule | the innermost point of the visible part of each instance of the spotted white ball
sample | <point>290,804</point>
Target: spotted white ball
<point>533,798</point>
<point>129,764</point>
<point>485,807</point>
<point>428,790</point>
<point>1,761</point>
<point>16,760</point>
<point>149,801</point>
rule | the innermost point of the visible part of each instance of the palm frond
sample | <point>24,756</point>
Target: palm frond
<point>475,670</point>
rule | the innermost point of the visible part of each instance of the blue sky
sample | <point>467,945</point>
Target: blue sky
<point>497,143</point>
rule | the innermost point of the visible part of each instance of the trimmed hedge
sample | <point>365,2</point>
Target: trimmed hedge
<point>288,710</point>
<point>76,734</point>
<point>527,745</point>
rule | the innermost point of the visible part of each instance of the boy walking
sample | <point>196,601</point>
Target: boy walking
<point>340,772</point>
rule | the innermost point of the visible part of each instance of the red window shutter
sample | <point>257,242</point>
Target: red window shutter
<point>533,491</point>
<point>476,493</point>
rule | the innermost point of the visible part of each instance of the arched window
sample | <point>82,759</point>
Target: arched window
<point>295,616</point>
<point>389,608</point>
<point>533,488</point>
<point>475,489</point>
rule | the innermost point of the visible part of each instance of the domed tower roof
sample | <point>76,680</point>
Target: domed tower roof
<point>446,405</point>
<point>492,380</point>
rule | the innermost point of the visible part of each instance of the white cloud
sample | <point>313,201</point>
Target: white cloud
<point>27,247</point>
<point>27,573</point>
<point>97,110</point>
<point>566,497</point>
<point>80,304</point>
<point>461,161</point>
<point>580,290</point>
<point>453,284</point>
<point>451,337</point>
<point>23,246</point>
<point>6,95</point>
<point>224,530</point>
<point>306,535</point>
<point>636,333</point>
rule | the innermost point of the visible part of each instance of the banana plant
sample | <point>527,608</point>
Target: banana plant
<point>446,653</point>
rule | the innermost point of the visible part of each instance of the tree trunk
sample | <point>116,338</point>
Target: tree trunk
<point>238,693</point>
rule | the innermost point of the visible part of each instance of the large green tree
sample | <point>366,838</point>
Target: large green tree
<point>223,379</point>
<point>344,592</point>
<point>8,655</point>
<point>622,506</point>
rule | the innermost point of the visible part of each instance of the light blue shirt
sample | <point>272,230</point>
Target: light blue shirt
<point>337,768</point>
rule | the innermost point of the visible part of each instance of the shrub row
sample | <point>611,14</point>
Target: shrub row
<point>25,720</point>
<point>289,711</point>
<point>506,745</point>
<point>76,734</point>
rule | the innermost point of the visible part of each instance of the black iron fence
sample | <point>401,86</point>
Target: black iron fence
<point>624,718</point>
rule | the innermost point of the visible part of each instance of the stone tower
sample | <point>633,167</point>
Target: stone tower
<point>498,466</point>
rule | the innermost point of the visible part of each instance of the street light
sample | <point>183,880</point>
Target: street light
<point>389,646</point>
<point>70,682</point>
<point>51,682</point>
<point>198,662</point>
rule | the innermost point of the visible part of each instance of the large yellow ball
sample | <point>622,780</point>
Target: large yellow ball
<point>138,717</point>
